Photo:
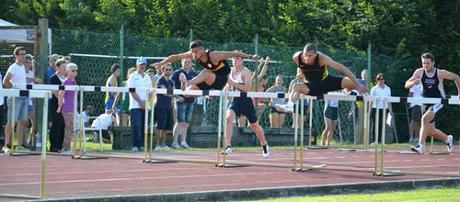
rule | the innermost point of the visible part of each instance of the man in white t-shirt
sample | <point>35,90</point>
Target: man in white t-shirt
<point>16,75</point>
<point>415,113</point>
<point>137,102</point>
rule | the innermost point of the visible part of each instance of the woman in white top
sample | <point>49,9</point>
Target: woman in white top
<point>30,75</point>
<point>379,90</point>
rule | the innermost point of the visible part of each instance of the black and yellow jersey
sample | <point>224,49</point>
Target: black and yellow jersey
<point>222,66</point>
<point>313,72</point>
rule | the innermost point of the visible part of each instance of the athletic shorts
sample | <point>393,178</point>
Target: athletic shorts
<point>273,110</point>
<point>330,83</point>
<point>436,108</point>
<point>416,113</point>
<point>244,106</point>
<point>219,83</point>
<point>331,113</point>
<point>305,108</point>
<point>163,118</point>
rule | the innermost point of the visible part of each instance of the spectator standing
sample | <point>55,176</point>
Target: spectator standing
<point>55,116</point>
<point>66,104</point>
<point>163,108</point>
<point>137,102</point>
<point>380,90</point>
<point>415,113</point>
<point>112,98</point>
<point>184,106</point>
<point>16,75</point>
<point>51,70</point>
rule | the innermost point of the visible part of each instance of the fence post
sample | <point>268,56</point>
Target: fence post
<point>122,47</point>
<point>191,35</point>
<point>256,44</point>
<point>43,65</point>
<point>369,64</point>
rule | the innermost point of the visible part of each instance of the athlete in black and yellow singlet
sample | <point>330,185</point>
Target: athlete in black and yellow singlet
<point>221,70</point>
<point>216,69</point>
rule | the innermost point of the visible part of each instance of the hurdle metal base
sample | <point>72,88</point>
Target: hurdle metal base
<point>87,157</point>
<point>439,153</point>
<point>154,161</point>
<point>387,174</point>
<point>318,147</point>
<point>230,165</point>
<point>23,154</point>
<point>408,152</point>
<point>309,168</point>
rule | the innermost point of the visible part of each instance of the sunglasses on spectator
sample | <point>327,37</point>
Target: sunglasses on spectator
<point>168,69</point>
<point>74,70</point>
<point>381,79</point>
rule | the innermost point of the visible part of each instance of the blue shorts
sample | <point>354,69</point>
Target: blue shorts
<point>30,108</point>
<point>331,113</point>
<point>163,118</point>
<point>244,106</point>
<point>184,111</point>
<point>20,108</point>
<point>109,104</point>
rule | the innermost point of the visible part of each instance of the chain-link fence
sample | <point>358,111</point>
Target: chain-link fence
<point>96,52</point>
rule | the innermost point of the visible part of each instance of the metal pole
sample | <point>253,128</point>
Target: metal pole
<point>146,123</point>
<point>383,121</point>
<point>376,135</point>
<point>81,141</point>
<point>219,128</point>
<point>302,134</point>
<point>44,141</point>
<point>310,121</point>
<point>12,124</point>
<point>74,122</point>
<point>224,123</point>
<point>296,132</point>
<point>152,124</point>
<point>366,125</point>
<point>369,63</point>
<point>122,50</point>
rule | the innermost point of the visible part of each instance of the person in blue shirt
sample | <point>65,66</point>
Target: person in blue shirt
<point>184,106</point>
<point>163,108</point>
<point>51,70</point>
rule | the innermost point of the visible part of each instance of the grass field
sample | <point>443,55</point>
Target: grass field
<point>422,195</point>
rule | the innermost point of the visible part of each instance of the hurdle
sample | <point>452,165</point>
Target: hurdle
<point>383,172</point>
<point>34,94</point>
<point>249,94</point>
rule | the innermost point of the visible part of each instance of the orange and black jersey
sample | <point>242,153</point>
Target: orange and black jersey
<point>221,67</point>
<point>314,72</point>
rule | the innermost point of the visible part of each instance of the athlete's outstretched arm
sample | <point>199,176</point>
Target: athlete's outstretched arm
<point>444,74</point>
<point>173,58</point>
<point>223,55</point>
<point>415,79</point>
<point>344,70</point>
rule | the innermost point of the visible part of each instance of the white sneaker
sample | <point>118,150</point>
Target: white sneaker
<point>418,149</point>
<point>165,148</point>
<point>450,146</point>
<point>134,149</point>
<point>175,145</point>
<point>227,151</point>
<point>265,151</point>
<point>288,107</point>
<point>184,145</point>
<point>157,148</point>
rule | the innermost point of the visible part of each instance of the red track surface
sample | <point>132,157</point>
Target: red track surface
<point>20,175</point>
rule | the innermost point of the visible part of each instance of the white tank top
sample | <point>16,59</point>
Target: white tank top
<point>237,77</point>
